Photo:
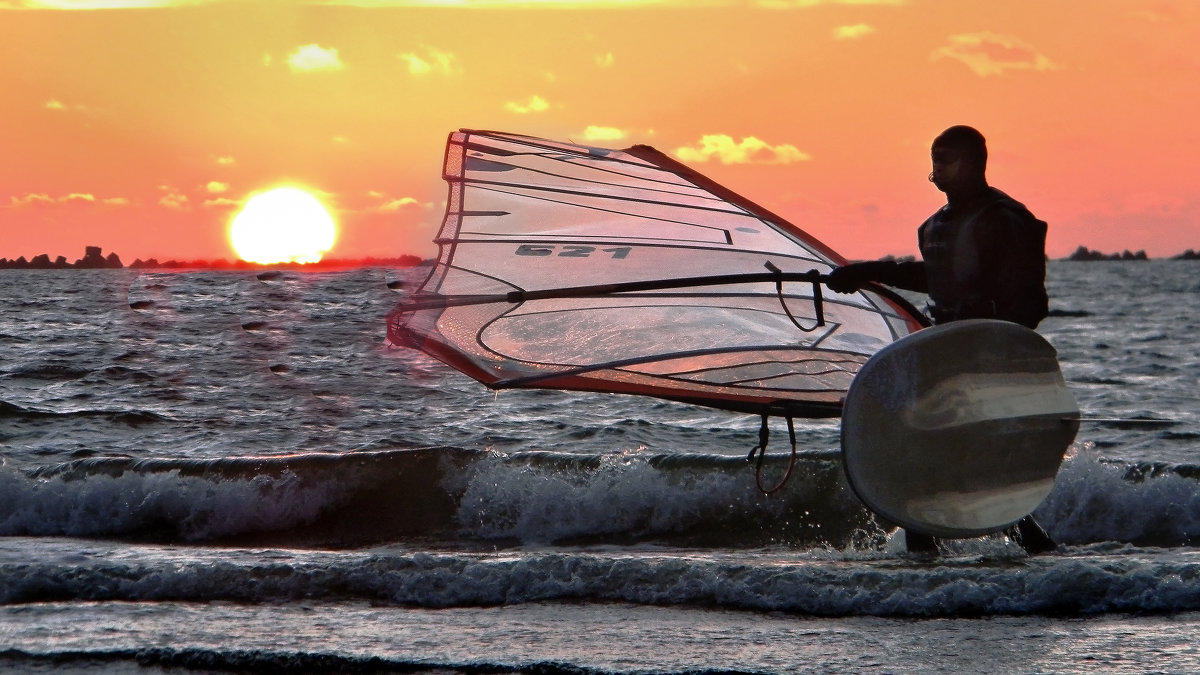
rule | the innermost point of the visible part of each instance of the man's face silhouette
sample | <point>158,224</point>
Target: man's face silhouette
<point>948,167</point>
<point>955,170</point>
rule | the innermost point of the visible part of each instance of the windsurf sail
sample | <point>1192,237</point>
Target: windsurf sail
<point>572,267</point>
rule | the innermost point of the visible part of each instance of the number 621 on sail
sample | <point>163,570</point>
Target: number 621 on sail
<point>573,251</point>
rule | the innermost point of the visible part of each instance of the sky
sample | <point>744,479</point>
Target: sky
<point>143,126</point>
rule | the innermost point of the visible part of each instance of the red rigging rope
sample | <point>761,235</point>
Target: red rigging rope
<point>764,435</point>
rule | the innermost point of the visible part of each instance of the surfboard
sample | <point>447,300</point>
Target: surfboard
<point>958,430</point>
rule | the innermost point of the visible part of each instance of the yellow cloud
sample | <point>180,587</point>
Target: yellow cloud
<point>594,134</point>
<point>314,57</point>
<point>58,106</point>
<point>852,32</point>
<point>598,4</point>
<point>459,4</point>
<point>394,205</point>
<point>221,203</point>
<point>174,201</point>
<point>226,161</point>
<point>794,4</point>
<point>86,198</point>
<point>605,60</point>
<point>92,4</point>
<point>533,4</point>
<point>431,60</point>
<point>988,53</point>
<point>32,199</point>
<point>216,187</point>
<point>749,150</point>
<point>536,104</point>
<point>416,64</point>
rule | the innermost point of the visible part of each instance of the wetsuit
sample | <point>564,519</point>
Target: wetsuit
<point>982,258</point>
<point>985,259</point>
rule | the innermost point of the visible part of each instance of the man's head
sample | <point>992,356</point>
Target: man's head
<point>959,160</point>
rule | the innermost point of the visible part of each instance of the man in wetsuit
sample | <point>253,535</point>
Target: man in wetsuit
<point>983,256</point>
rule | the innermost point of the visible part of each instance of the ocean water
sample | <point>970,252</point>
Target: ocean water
<point>232,472</point>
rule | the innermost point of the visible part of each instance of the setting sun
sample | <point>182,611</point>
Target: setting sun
<point>285,224</point>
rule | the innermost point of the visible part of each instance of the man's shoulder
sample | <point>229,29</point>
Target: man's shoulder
<point>997,197</point>
<point>1003,206</point>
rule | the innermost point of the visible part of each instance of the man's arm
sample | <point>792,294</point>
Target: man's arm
<point>1019,278</point>
<point>909,275</point>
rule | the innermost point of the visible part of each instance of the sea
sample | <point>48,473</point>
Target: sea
<point>233,471</point>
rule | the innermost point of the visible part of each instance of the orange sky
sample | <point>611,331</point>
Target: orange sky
<point>142,125</point>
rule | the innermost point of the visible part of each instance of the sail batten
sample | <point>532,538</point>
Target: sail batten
<point>590,269</point>
<point>516,191</point>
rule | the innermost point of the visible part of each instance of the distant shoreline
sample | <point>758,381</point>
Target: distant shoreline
<point>1086,254</point>
<point>94,258</point>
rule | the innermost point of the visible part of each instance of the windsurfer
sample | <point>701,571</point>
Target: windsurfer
<point>983,256</point>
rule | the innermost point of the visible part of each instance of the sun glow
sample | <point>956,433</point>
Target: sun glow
<point>285,224</point>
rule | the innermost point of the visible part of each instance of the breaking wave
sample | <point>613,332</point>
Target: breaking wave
<point>473,496</point>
